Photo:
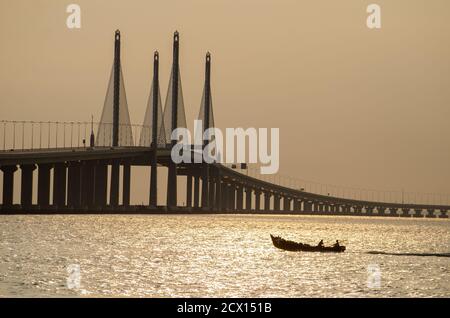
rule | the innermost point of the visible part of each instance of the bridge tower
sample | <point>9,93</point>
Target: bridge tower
<point>174,117</point>
<point>115,168</point>
<point>156,102</point>
<point>114,129</point>
<point>207,112</point>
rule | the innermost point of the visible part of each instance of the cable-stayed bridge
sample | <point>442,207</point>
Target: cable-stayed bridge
<point>78,164</point>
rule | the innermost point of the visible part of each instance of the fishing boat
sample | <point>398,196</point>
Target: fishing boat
<point>286,245</point>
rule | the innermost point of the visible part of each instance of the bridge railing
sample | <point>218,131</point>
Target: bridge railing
<point>345,192</point>
<point>33,135</point>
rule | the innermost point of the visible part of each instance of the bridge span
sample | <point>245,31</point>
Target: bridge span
<point>83,175</point>
<point>80,183</point>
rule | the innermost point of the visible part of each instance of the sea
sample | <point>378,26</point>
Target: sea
<point>221,255</point>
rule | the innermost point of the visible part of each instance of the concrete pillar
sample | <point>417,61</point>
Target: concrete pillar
<point>26,188</point>
<point>74,185</point>
<point>393,211</point>
<point>443,214</point>
<point>205,187</point>
<point>232,197</point>
<point>276,202</point>
<point>267,196</point>
<point>405,212</point>
<point>297,205</point>
<point>307,206</point>
<point>219,204</point>
<point>248,199</point>
<point>87,184</point>
<point>225,205</point>
<point>172,186</point>
<point>287,204</point>
<point>430,213</point>
<point>196,191</point>
<point>257,200</point>
<point>240,197</point>
<point>114,184</point>
<point>100,184</point>
<point>8,185</point>
<point>212,192</point>
<point>59,185</point>
<point>126,184</point>
<point>44,185</point>
<point>417,213</point>
<point>316,207</point>
<point>189,190</point>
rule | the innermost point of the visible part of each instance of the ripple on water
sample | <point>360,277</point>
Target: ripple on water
<point>221,256</point>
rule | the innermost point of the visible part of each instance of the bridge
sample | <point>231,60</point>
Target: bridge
<point>78,170</point>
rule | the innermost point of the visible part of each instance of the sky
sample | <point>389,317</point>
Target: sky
<point>357,107</point>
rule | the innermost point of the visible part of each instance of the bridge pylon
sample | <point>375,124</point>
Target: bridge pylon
<point>174,117</point>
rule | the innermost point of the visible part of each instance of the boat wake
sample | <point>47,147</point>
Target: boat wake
<point>410,254</point>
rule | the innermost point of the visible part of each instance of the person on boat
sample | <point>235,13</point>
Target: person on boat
<point>336,244</point>
<point>320,243</point>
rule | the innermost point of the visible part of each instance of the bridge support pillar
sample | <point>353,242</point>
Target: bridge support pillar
<point>74,186</point>
<point>287,204</point>
<point>8,185</point>
<point>196,191</point>
<point>316,207</point>
<point>393,211</point>
<point>232,197</point>
<point>87,184</point>
<point>224,196</point>
<point>26,188</point>
<point>248,199</point>
<point>101,185</point>
<point>257,200</point>
<point>172,186</point>
<point>276,202</point>
<point>381,210</point>
<point>44,185</point>
<point>188,190</point>
<point>205,186</point>
<point>59,185</point>
<point>297,205</point>
<point>219,196</point>
<point>267,196</point>
<point>240,197</point>
<point>126,184</point>
<point>430,213</point>
<point>443,214</point>
<point>307,206</point>
<point>212,192</point>
<point>417,213</point>
<point>114,185</point>
<point>405,213</point>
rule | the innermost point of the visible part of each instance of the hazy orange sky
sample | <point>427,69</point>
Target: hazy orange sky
<point>355,107</point>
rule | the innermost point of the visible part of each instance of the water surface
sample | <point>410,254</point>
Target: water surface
<point>222,256</point>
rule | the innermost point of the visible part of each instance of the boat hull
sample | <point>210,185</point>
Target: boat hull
<point>286,245</point>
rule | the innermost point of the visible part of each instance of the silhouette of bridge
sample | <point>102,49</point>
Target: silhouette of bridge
<point>86,167</point>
